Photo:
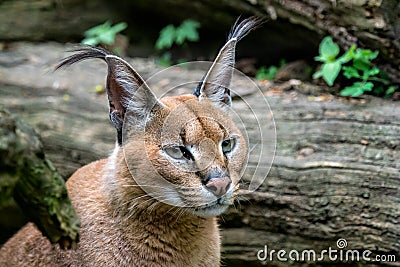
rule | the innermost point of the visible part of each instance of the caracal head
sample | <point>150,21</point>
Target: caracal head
<point>184,151</point>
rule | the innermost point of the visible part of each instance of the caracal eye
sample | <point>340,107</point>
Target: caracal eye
<point>228,144</point>
<point>174,152</point>
<point>178,152</point>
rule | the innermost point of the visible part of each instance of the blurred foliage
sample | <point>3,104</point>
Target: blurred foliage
<point>269,73</point>
<point>165,59</point>
<point>169,35</point>
<point>366,77</point>
<point>103,34</point>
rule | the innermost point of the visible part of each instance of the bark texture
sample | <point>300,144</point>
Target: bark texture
<point>367,23</point>
<point>30,179</point>
<point>336,172</point>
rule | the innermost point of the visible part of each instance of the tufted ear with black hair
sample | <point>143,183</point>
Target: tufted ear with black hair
<point>126,89</point>
<point>216,82</point>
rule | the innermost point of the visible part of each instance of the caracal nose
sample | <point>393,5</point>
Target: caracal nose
<point>218,186</point>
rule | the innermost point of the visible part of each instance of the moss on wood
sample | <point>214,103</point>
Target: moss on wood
<point>32,180</point>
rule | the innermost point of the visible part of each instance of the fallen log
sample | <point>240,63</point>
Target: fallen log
<point>30,179</point>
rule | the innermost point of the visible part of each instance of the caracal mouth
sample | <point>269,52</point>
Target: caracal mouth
<point>214,208</point>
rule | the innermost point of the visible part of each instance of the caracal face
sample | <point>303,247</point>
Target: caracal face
<point>196,148</point>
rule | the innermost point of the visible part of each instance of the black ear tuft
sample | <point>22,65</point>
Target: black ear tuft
<point>241,28</point>
<point>82,53</point>
<point>126,89</point>
<point>215,84</point>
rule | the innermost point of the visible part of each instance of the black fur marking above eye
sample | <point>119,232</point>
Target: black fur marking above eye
<point>182,134</point>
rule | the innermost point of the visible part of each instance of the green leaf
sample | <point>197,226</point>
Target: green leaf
<point>366,54</point>
<point>357,89</point>
<point>169,35</point>
<point>164,59</point>
<point>117,28</point>
<point>361,64</point>
<point>90,41</point>
<point>328,50</point>
<point>350,72</point>
<point>99,29</point>
<point>349,55</point>
<point>373,55</point>
<point>166,38</point>
<point>367,86</point>
<point>391,90</point>
<point>374,71</point>
<point>107,38</point>
<point>352,91</point>
<point>319,58</point>
<point>317,74</point>
<point>103,33</point>
<point>330,71</point>
<point>265,73</point>
<point>187,31</point>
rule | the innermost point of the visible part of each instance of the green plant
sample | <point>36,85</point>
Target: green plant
<point>331,66</point>
<point>169,35</point>
<point>360,69</point>
<point>269,73</point>
<point>104,33</point>
<point>266,73</point>
<point>164,59</point>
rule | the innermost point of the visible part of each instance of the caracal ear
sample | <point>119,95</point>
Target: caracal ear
<point>216,82</point>
<point>126,89</point>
